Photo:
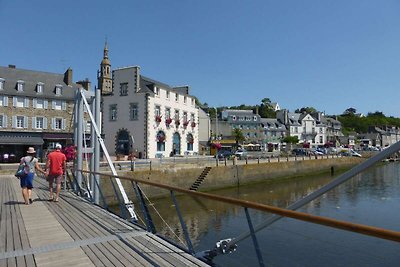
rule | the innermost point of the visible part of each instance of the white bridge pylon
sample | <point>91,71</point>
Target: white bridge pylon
<point>96,143</point>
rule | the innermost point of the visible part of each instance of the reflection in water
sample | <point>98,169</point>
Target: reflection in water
<point>370,198</point>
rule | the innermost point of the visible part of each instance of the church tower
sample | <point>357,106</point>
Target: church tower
<point>104,74</point>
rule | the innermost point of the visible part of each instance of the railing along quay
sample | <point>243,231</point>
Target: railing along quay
<point>229,245</point>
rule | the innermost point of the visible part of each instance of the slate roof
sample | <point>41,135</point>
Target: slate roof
<point>31,78</point>
<point>147,84</point>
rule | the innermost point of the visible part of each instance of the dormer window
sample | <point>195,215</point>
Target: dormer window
<point>233,117</point>
<point>58,90</point>
<point>157,90</point>
<point>20,86</point>
<point>2,83</point>
<point>39,88</point>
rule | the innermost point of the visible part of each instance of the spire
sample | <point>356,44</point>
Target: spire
<point>106,50</point>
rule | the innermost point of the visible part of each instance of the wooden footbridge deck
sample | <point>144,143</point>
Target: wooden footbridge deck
<point>74,232</point>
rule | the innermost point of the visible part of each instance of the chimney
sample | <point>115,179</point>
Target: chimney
<point>68,76</point>
<point>12,66</point>
<point>85,84</point>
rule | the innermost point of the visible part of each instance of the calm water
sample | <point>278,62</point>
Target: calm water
<point>372,198</point>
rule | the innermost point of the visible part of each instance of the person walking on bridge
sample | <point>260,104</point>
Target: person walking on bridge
<point>55,168</point>
<point>31,164</point>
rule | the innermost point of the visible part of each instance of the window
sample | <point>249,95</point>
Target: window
<point>185,116</point>
<point>177,115</point>
<point>233,117</point>
<point>39,123</point>
<point>39,88</point>
<point>321,139</point>
<point>58,124</point>
<point>157,90</point>
<point>321,130</point>
<point>189,140</point>
<point>40,103</point>
<point>20,86</point>
<point>134,112</point>
<point>160,141</point>
<point>20,102</point>
<point>20,122</point>
<point>255,118</point>
<point>113,112</point>
<point>59,105</point>
<point>4,101</point>
<point>157,111</point>
<point>167,113</point>
<point>1,84</point>
<point>192,117</point>
<point>176,97</point>
<point>3,121</point>
<point>123,89</point>
<point>192,101</point>
<point>58,90</point>
<point>184,99</point>
<point>167,94</point>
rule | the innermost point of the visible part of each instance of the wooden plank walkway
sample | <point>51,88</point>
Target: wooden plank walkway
<point>74,232</point>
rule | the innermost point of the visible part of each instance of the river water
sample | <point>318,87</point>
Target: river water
<point>371,198</point>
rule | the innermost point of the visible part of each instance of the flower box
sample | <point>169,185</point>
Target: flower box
<point>193,124</point>
<point>158,118</point>
<point>168,121</point>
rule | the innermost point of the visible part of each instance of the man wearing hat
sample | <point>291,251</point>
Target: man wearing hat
<point>31,164</point>
<point>56,166</point>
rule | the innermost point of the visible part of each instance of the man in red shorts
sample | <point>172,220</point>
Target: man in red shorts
<point>55,168</point>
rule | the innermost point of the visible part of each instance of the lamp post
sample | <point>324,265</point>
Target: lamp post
<point>133,141</point>
<point>216,123</point>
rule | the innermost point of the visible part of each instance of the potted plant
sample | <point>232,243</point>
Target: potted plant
<point>158,118</point>
<point>168,121</point>
<point>193,124</point>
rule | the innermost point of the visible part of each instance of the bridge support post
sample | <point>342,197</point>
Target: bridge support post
<point>253,236</point>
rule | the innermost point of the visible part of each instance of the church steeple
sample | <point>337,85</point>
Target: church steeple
<point>104,74</point>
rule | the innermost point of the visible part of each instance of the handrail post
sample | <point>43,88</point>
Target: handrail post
<point>149,222</point>
<point>121,207</point>
<point>253,236</point>
<point>183,225</point>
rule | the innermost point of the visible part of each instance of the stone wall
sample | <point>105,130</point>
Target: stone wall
<point>229,176</point>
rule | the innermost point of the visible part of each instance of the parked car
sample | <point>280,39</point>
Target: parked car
<point>224,154</point>
<point>300,152</point>
<point>241,153</point>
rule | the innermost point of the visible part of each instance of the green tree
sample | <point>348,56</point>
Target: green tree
<point>238,135</point>
<point>308,110</point>
<point>291,140</point>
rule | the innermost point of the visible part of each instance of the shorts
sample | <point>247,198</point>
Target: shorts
<point>57,177</point>
<point>27,180</point>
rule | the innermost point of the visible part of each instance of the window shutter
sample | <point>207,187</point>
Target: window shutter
<point>63,124</point>
<point>14,121</point>
<point>46,104</point>
<point>34,123</point>
<point>34,103</point>
<point>26,104</point>
<point>44,123</point>
<point>64,105</point>
<point>4,121</point>
<point>53,104</point>
<point>5,101</point>
<point>53,120</point>
<point>14,101</point>
<point>25,122</point>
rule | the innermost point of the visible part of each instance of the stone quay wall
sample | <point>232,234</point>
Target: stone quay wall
<point>228,176</point>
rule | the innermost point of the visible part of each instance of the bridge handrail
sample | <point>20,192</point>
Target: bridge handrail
<point>348,226</point>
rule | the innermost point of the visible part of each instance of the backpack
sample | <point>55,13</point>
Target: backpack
<point>23,169</point>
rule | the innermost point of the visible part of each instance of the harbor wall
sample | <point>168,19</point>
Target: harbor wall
<point>229,176</point>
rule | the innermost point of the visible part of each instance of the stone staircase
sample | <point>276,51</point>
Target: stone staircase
<point>200,179</point>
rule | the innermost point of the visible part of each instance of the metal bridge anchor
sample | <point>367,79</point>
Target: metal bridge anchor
<point>223,246</point>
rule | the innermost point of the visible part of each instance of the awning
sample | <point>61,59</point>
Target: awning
<point>21,140</point>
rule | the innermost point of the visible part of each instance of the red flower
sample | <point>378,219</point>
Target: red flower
<point>185,123</point>
<point>216,145</point>
<point>158,118</point>
<point>168,121</point>
<point>193,124</point>
<point>177,122</point>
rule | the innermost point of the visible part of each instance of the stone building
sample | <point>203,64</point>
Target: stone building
<point>144,116</point>
<point>36,109</point>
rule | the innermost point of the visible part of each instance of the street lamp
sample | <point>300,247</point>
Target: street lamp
<point>216,123</point>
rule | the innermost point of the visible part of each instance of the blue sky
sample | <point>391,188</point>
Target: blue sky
<point>328,54</point>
